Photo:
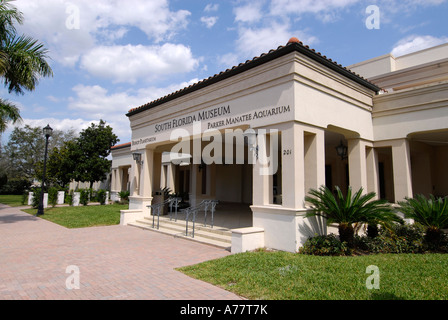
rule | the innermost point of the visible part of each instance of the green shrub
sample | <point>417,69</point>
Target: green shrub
<point>84,196</point>
<point>431,212</point>
<point>124,196</point>
<point>15,187</point>
<point>69,198</point>
<point>345,210</point>
<point>384,244</point>
<point>36,198</point>
<point>398,239</point>
<point>53,196</point>
<point>325,246</point>
<point>93,195</point>
<point>25,196</point>
<point>101,196</point>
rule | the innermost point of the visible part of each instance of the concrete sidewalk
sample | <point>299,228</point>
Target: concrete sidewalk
<point>39,260</point>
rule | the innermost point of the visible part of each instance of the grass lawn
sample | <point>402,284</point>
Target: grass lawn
<point>83,216</point>
<point>11,200</point>
<point>287,276</point>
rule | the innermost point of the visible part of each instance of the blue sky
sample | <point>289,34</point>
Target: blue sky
<point>109,56</point>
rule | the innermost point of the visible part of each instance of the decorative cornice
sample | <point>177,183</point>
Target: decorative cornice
<point>292,46</point>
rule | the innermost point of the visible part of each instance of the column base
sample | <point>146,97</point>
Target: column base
<point>286,229</point>
<point>129,216</point>
<point>137,202</point>
<point>114,197</point>
<point>137,209</point>
<point>247,239</point>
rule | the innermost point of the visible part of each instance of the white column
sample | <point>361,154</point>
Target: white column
<point>261,192</point>
<point>76,199</point>
<point>163,174</point>
<point>119,180</point>
<point>45,200</point>
<point>401,159</point>
<point>373,184</point>
<point>357,164</point>
<point>141,185</point>
<point>147,173</point>
<point>303,163</point>
<point>30,198</point>
<point>134,177</point>
<point>293,167</point>
<point>61,195</point>
<point>314,158</point>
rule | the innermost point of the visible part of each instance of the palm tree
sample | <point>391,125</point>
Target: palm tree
<point>348,210</point>
<point>26,63</point>
<point>22,61</point>
<point>8,113</point>
<point>430,212</point>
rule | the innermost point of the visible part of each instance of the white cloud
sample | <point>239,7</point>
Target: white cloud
<point>251,12</point>
<point>132,63</point>
<point>112,107</point>
<point>390,9</point>
<point>229,60</point>
<point>99,20</point>
<point>53,98</point>
<point>59,124</point>
<point>211,7</point>
<point>416,43</point>
<point>285,7</point>
<point>255,41</point>
<point>98,100</point>
<point>120,126</point>
<point>209,21</point>
<point>260,31</point>
<point>401,6</point>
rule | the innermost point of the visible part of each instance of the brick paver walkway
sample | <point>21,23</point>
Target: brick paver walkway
<point>115,262</point>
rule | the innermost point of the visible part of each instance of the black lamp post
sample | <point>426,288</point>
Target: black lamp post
<point>48,131</point>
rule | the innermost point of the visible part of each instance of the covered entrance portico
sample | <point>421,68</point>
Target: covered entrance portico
<point>226,179</point>
<point>288,110</point>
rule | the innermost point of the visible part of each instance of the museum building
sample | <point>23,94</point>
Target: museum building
<point>257,137</point>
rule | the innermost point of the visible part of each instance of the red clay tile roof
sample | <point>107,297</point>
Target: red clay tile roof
<point>121,146</point>
<point>293,45</point>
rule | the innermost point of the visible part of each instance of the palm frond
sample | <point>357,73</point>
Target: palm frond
<point>4,62</point>
<point>430,212</point>
<point>351,208</point>
<point>27,63</point>
<point>8,113</point>
<point>9,15</point>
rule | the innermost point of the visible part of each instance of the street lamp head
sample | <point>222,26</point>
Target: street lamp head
<point>251,137</point>
<point>48,131</point>
<point>342,151</point>
<point>137,157</point>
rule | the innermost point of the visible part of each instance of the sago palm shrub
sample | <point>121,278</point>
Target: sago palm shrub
<point>430,212</point>
<point>347,210</point>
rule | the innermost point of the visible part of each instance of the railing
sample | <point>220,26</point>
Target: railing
<point>192,212</point>
<point>158,207</point>
<point>174,203</point>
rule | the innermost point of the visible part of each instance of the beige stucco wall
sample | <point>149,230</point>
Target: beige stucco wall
<point>399,114</point>
<point>257,90</point>
<point>389,64</point>
<point>121,158</point>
